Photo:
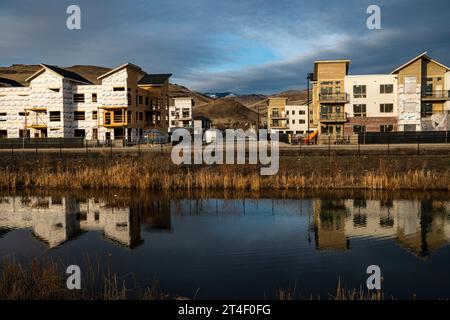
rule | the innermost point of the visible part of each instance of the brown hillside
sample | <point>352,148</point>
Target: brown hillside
<point>181,91</point>
<point>227,112</point>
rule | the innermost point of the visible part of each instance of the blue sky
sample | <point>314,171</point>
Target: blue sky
<point>245,46</point>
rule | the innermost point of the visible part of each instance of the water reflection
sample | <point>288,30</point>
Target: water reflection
<point>419,224</point>
<point>55,220</point>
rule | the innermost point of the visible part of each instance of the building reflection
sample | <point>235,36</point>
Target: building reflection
<point>420,226</point>
<point>55,220</point>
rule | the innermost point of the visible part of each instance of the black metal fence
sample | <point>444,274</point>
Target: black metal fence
<point>423,137</point>
<point>48,143</point>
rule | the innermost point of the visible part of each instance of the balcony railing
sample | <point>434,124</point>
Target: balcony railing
<point>436,95</point>
<point>334,97</point>
<point>278,115</point>
<point>333,117</point>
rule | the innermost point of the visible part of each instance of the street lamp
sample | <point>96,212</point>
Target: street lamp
<point>309,78</point>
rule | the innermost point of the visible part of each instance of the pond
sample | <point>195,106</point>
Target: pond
<point>241,246</point>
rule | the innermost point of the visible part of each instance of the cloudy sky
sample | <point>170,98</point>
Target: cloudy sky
<point>244,46</point>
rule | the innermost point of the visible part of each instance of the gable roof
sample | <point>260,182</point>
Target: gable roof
<point>422,55</point>
<point>61,72</point>
<point>154,79</point>
<point>10,82</point>
<point>126,65</point>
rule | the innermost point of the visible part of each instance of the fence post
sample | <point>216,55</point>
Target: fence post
<point>418,144</point>
<point>300,144</point>
<point>111,148</point>
<point>388,144</point>
<point>86,145</point>
<point>359,145</point>
<point>139,145</point>
<point>329,145</point>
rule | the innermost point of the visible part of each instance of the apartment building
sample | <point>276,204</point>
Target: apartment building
<point>61,104</point>
<point>372,104</point>
<point>287,117</point>
<point>414,97</point>
<point>180,113</point>
<point>423,94</point>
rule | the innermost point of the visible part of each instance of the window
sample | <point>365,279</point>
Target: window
<point>359,129</point>
<point>94,115</point>
<point>24,133</point>
<point>410,127</point>
<point>147,101</point>
<point>79,133</point>
<point>386,108</point>
<point>302,112</point>
<point>141,116</point>
<point>141,101</point>
<point>22,114</point>
<point>301,121</point>
<point>3,114</point>
<point>426,110</point>
<point>3,134</point>
<point>95,134</point>
<point>359,110</point>
<point>387,88</point>
<point>386,128</point>
<point>55,116</point>
<point>94,97</point>
<point>54,89</point>
<point>293,112</point>
<point>293,121</point>
<point>118,89</point>
<point>79,115</point>
<point>359,92</point>
<point>78,98</point>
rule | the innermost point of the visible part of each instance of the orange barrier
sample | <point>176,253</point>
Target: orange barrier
<point>311,136</point>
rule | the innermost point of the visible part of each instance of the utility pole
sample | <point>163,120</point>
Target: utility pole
<point>308,81</point>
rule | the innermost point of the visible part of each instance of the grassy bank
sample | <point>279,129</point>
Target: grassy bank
<point>156,172</point>
<point>46,280</point>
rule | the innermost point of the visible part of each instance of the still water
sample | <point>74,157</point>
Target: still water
<point>241,246</point>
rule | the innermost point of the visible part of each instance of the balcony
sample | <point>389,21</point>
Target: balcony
<point>334,98</point>
<point>118,121</point>
<point>278,115</point>
<point>440,95</point>
<point>333,117</point>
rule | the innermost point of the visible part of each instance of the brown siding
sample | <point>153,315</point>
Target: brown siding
<point>372,123</point>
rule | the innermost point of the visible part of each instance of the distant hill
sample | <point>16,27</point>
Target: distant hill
<point>227,112</point>
<point>18,72</point>
<point>181,91</point>
<point>219,95</point>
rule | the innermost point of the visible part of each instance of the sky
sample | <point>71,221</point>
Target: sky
<point>242,46</point>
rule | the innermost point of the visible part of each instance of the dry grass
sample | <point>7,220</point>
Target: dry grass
<point>158,173</point>
<point>342,294</point>
<point>46,280</point>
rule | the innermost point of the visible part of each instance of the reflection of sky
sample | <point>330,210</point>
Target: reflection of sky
<point>251,248</point>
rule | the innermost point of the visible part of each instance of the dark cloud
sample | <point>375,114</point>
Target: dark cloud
<point>235,45</point>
